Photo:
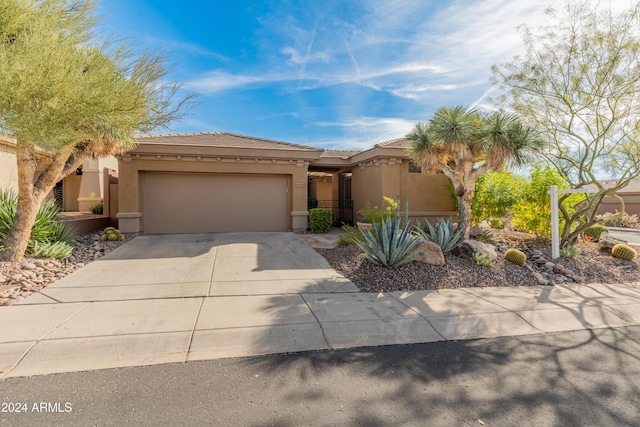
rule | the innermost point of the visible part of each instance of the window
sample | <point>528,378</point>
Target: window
<point>413,168</point>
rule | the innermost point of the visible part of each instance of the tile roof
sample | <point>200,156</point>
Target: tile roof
<point>394,143</point>
<point>342,154</point>
<point>222,139</point>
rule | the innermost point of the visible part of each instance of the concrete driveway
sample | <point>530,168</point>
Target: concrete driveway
<point>177,298</point>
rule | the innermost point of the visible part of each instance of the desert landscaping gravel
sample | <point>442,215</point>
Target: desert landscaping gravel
<point>20,280</point>
<point>593,266</point>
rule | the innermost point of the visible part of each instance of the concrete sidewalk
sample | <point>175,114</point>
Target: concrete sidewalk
<point>177,298</point>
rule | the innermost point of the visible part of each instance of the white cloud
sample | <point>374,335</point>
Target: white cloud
<point>364,132</point>
<point>219,81</point>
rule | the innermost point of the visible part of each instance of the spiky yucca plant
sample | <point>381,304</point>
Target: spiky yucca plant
<point>388,244</point>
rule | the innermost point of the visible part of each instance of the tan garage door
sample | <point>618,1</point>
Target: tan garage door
<point>197,203</point>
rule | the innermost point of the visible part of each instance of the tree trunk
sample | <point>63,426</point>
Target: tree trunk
<point>464,196</point>
<point>29,200</point>
<point>32,192</point>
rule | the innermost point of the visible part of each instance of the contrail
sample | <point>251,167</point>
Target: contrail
<point>306,58</point>
<point>482,98</point>
<point>355,62</point>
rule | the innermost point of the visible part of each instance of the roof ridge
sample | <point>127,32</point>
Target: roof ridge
<point>290,144</point>
<point>390,141</point>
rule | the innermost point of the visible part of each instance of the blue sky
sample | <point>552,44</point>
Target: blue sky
<point>331,74</point>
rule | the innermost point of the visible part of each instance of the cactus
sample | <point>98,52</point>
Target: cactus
<point>624,252</point>
<point>112,234</point>
<point>515,256</point>
<point>594,232</point>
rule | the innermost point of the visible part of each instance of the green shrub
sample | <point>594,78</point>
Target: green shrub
<point>442,234</point>
<point>373,214</point>
<point>388,244</point>
<point>47,227</point>
<point>532,213</point>
<point>320,220</point>
<point>97,209</point>
<point>496,224</point>
<point>594,232</point>
<point>495,194</point>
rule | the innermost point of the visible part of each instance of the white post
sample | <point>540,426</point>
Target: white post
<point>555,232</point>
<point>555,227</point>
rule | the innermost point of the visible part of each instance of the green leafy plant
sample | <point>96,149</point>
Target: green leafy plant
<point>497,224</point>
<point>482,259</point>
<point>570,251</point>
<point>495,194</point>
<point>59,250</point>
<point>388,244</point>
<point>97,209</point>
<point>320,220</point>
<point>373,214</point>
<point>593,233</point>
<point>532,213</point>
<point>47,227</point>
<point>442,234</point>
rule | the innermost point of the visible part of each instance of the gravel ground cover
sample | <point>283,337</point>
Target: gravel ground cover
<point>19,280</point>
<point>592,266</point>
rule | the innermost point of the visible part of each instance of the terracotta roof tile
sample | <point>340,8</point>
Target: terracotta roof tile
<point>342,154</point>
<point>394,143</point>
<point>222,139</point>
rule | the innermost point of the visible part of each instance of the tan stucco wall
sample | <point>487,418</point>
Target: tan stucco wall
<point>71,191</point>
<point>428,195</point>
<point>8,169</point>
<point>427,192</point>
<point>366,187</point>
<point>321,189</point>
<point>131,180</point>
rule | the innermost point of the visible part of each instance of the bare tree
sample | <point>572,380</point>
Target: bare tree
<point>579,83</point>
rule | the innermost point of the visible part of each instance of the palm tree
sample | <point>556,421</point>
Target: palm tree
<point>464,144</point>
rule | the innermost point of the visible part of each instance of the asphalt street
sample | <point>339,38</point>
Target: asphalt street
<point>589,377</point>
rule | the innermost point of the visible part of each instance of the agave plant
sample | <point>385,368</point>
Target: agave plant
<point>388,244</point>
<point>46,228</point>
<point>443,234</point>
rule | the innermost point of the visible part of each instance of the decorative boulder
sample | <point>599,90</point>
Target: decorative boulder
<point>430,253</point>
<point>470,247</point>
<point>607,242</point>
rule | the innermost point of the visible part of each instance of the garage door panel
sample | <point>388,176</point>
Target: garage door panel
<point>195,203</point>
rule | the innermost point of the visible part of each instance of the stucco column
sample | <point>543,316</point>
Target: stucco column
<point>299,201</point>
<point>129,213</point>
<point>91,185</point>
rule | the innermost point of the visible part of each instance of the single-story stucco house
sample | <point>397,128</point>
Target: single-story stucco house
<point>629,194</point>
<point>208,182</point>
<point>77,192</point>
